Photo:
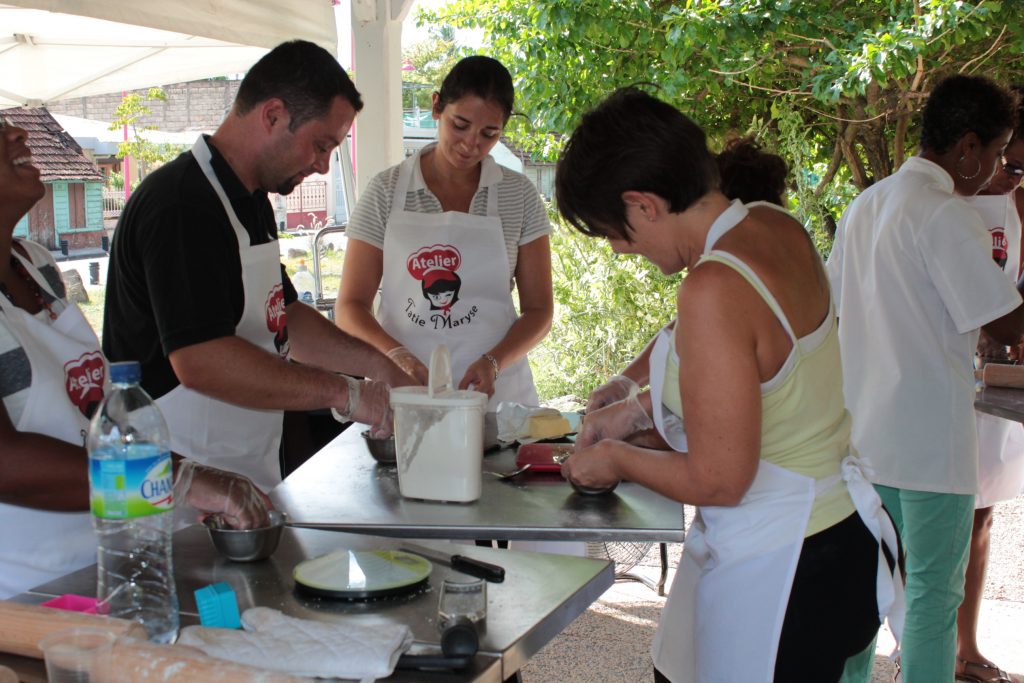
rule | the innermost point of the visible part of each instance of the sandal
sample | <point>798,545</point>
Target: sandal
<point>993,673</point>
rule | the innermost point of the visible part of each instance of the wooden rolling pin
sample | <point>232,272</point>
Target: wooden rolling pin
<point>23,626</point>
<point>1002,375</point>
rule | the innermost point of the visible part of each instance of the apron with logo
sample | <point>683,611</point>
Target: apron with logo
<point>724,613</point>
<point>68,376</point>
<point>1000,442</point>
<point>446,281</point>
<point>221,434</point>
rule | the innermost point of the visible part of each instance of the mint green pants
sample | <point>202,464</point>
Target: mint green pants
<point>936,533</point>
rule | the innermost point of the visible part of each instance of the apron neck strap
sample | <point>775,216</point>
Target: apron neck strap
<point>203,156</point>
<point>726,221</point>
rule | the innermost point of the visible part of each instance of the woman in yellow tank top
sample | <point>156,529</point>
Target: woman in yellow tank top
<point>784,576</point>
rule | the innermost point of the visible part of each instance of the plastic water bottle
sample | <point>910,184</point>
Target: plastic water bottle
<point>131,482</point>
<point>304,284</point>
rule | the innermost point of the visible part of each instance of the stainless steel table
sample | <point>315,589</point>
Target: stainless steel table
<point>1001,402</point>
<point>541,595</point>
<point>343,488</point>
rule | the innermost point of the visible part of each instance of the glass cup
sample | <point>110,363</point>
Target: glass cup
<point>77,655</point>
<point>465,599</point>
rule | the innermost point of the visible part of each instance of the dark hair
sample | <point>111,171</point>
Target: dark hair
<point>631,141</point>
<point>304,76</point>
<point>482,76</point>
<point>962,104</point>
<point>1017,93</point>
<point>750,174</point>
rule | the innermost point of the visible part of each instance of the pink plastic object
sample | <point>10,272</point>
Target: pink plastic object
<point>72,603</point>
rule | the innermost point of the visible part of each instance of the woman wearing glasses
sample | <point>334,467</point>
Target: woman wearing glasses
<point>1000,442</point>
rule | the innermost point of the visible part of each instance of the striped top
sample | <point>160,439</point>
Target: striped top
<point>15,371</point>
<point>523,215</point>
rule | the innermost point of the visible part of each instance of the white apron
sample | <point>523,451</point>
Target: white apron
<point>724,613</point>
<point>221,434</point>
<point>1000,442</point>
<point>452,252</point>
<point>68,377</point>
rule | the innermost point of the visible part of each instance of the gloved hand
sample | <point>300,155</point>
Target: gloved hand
<point>616,421</point>
<point>617,388</point>
<point>368,402</point>
<point>212,491</point>
<point>410,364</point>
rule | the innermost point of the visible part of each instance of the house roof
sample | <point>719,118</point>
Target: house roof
<point>54,152</point>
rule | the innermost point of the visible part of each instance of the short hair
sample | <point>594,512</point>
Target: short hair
<point>962,104</point>
<point>631,141</point>
<point>479,75</point>
<point>750,174</point>
<point>303,75</point>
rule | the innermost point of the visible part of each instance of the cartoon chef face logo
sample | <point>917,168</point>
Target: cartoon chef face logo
<point>999,246</point>
<point>83,380</point>
<point>435,267</point>
<point>277,319</point>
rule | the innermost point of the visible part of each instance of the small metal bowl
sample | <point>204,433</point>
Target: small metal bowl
<point>246,545</point>
<point>382,450</point>
<point>590,491</point>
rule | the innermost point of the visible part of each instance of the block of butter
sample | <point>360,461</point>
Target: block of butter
<point>547,423</point>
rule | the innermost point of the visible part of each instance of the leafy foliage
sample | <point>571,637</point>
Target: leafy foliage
<point>851,75</point>
<point>607,307</point>
<point>834,86</point>
<point>133,107</point>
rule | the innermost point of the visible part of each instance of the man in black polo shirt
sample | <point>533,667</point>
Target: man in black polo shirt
<point>196,291</point>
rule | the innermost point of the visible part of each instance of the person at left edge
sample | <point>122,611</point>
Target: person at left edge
<point>196,291</point>
<point>52,378</point>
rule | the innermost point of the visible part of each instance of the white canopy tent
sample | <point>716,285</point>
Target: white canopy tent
<point>58,49</point>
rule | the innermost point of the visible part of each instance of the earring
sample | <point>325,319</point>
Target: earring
<point>961,173</point>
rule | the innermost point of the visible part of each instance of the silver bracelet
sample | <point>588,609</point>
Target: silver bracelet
<point>494,363</point>
<point>351,404</point>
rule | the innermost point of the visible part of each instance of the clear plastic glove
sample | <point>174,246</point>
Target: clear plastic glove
<point>616,421</point>
<point>211,491</point>
<point>593,467</point>
<point>617,388</point>
<point>373,408</point>
<point>410,364</point>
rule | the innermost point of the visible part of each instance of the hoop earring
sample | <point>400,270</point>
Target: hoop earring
<point>960,173</point>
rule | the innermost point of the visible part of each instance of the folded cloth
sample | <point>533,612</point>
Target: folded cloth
<point>302,647</point>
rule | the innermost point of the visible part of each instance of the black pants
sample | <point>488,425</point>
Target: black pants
<point>832,612</point>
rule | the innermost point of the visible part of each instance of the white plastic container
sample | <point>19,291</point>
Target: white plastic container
<point>439,435</point>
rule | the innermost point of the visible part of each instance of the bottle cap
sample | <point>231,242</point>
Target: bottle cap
<point>126,372</point>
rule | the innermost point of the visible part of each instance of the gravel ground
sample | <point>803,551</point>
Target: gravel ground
<point>610,642</point>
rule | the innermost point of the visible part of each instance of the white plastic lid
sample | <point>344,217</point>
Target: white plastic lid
<point>450,398</point>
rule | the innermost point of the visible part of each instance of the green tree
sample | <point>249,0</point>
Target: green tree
<point>846,77</point>
<point>431,60</point>
<point>146,153</point>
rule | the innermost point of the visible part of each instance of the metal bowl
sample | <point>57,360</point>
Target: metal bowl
<point>382,450</point>
<point>246,545</point>
<point>590,491</point>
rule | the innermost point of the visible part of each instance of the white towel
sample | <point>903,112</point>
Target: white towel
<point>302,647</point>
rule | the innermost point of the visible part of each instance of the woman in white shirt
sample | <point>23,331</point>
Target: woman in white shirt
<point>912,272</point>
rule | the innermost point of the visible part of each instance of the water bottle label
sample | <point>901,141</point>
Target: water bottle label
<point>125,489</point>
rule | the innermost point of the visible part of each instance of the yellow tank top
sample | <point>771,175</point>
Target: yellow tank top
<point>805,426</point>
